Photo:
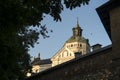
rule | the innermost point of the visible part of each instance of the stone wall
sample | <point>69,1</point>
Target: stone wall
<point>93,66</point>
<point>115,30</point>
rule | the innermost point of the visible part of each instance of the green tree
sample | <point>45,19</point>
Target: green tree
<point>16,34</point>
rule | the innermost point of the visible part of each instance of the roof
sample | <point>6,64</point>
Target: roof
<point>37,61</point>
<point>96,45</point>
<point>77,35</point>
<point>76,39</point>
<point>103,12</point>
<point>45,61</point>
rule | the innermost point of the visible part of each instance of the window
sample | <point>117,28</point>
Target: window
<point>71,45</point>
<point>70,54</point>
<point>65,53</point>
<point>80,45</point>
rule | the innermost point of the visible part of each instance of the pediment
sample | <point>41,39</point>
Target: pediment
<point>64,51</point>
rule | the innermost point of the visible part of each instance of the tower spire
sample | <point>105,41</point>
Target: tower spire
<point>77,25</point>
<point>77,31</point>
<point>77,20</point>
<point>38,55</point>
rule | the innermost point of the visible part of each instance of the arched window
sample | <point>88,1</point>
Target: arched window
<point>65,53</point>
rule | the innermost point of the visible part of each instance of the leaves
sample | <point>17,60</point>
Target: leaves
<point>16,34</point>
<point>71,4</point>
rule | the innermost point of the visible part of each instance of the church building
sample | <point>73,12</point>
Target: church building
<point>75,46</point>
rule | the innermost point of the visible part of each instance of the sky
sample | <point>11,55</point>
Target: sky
<point>88,20</point>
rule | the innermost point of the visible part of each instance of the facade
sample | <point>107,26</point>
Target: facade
<point>75,46</point>
<point>39,65</point>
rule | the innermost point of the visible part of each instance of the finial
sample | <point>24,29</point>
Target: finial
<point>77,20</point>
<point>38,55</point>
<point>77,23</point>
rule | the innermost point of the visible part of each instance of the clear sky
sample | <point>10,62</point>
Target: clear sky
<point>88,20</point>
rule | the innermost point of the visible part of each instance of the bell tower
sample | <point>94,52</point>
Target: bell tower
<point>75,46</point>
<point>77,31</point>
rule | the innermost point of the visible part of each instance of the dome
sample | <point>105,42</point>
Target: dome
<point>76,39</point>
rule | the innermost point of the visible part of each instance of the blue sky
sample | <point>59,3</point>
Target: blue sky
<point>88,20</point>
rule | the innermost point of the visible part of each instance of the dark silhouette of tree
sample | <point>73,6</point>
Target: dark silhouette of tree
<point>16,36</point>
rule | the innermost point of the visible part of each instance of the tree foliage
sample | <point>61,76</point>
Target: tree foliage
<point>16,36</point>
